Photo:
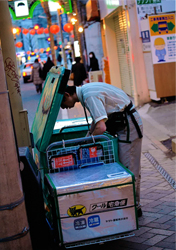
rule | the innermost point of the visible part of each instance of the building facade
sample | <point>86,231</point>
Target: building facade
<point>130,66</point>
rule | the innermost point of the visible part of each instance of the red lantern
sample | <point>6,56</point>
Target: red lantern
<point>25,31</point>
<point>40,31</point>
<point>54,29</point>
<point>41,50</point>
<point>28,52</point>
<point>32,32</point>
<point>46,31</point>
<point>68,27</point>
<point>19,44</point>
<point>55,47</point>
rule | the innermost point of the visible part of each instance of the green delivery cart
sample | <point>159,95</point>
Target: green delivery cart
<point>89,196</point>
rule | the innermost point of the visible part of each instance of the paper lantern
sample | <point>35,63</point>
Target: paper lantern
<point>68,27</point>
<point>28,52</point>
<point>46,31</point>
<point>54,29</point>
<point>32,32</point>
<point>25,31</point>
<point>55,47</point>
<point>40,31</point>
<point>41,50</point>
<point>19,44</point>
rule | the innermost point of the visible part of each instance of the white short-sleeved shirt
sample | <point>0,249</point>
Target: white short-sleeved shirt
<point>102,99</point>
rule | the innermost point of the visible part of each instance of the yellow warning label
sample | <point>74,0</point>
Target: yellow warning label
<point>162,24</point>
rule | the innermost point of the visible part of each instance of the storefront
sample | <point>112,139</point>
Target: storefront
<point>123,47</point>
<point>121,33</point>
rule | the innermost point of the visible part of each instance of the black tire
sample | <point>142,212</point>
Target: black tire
<point>24,80</point>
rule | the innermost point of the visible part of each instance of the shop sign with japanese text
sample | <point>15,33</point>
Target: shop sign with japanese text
<point>145,8</point>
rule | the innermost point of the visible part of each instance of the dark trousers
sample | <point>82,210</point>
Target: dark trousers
<point>38,88</point>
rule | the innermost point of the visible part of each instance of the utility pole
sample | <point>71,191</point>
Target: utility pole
<point>10,65</point>
<point>14,232</point>
<point>62,40</point>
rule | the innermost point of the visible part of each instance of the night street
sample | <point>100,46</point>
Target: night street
<point>88,124</point>
<point>157,225</point>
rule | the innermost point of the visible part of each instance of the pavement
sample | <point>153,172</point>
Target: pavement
<point>158,183</point>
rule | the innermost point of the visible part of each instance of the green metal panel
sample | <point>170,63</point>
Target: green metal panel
<point>48,108</point>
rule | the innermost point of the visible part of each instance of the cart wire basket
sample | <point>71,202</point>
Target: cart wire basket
<point>78,153</point>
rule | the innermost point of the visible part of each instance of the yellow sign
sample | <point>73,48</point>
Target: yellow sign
<point>76,211</point>
<point>162,24</point>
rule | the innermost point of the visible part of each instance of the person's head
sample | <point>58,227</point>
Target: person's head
<point>36,60</point>
<point>91,55</point>
<point>70,97</point>
<point>77,59</point>
<point>48,59</point>
<point>159,43</point>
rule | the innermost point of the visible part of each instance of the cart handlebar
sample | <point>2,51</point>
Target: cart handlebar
<point>77,140</point>
<point>71,126</point>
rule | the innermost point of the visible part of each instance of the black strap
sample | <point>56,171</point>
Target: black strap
<point>135,123</point>
<point>130,112</point>
<point>127,109</point>
<point>128,130</point>
<point>86,117</point>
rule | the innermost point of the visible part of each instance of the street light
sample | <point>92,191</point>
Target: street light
<point>80,29</point>
<point>14,30</point>
<point>73,20</point>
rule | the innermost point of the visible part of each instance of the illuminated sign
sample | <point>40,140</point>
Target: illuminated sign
<point>76,48</point>
<point>112,4</point>
<point>21,8</point>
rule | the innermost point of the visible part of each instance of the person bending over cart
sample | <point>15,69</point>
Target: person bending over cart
<point>112,111</point>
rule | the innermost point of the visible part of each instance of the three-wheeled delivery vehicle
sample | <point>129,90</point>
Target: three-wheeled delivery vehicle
<point>89,196</point>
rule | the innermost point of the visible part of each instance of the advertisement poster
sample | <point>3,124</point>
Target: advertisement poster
<point>163,38</point>
<point>145,8</point>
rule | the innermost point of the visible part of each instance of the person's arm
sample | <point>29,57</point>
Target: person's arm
<point>89,133</point>
<point>97,129</point>
<point>98,113</point>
